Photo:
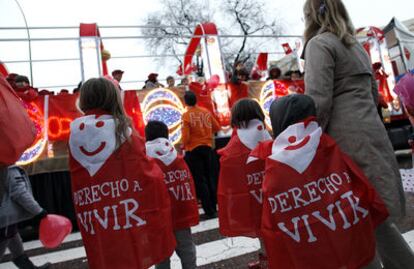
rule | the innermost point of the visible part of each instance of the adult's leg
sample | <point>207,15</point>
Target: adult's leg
<point>195,162</point>
<point>186,248</point>
<point>374,264</point>
<point>15,245</point>
<point>3,245</point>
<point>209,175</point>
<point>394,250</point>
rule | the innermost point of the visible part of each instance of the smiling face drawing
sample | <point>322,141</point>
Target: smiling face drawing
<point>253,134</point>
<point>297,145</point>
<point>92,141</point>
<point>162,149</point>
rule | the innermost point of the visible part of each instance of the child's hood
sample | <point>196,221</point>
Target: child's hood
<point>162,149</point>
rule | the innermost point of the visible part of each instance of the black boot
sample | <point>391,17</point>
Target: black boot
<point>23,262</point>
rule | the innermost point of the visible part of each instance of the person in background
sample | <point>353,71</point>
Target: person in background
<point>338,76</point>
<point>11,79</point>
<point>239,88</point>
<point>117,74</point>
<point>198,128</point>
<point>177,177</point>
<point>184,82</point>
<point>274,73</point>
<point>152,82</point>
<point>18,204</point>
<point>170,82</point>
<point>24,90</point>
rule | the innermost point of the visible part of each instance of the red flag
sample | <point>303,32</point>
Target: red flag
<point>286,47</point>
<point>17,131</point>
<point>122,206</point>
<point>133,110</point>
<point>320,211</point>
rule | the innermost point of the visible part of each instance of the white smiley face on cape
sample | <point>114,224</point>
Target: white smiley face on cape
<point>253,134</point>
<point>297,145</point>
<point>162,149</point>
<point>92,140</point>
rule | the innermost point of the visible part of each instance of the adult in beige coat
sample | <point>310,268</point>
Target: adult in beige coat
<point>338,77</point>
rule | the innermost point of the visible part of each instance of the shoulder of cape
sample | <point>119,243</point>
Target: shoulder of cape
<point>262,150</point>
<point>234,145</point>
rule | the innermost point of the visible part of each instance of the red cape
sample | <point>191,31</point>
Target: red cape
<point>239,192</point>
<point>320,217</point>
<point>123,209</point>
<point>180,185</point>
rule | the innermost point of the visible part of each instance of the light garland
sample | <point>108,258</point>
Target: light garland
<point>164,105</point>
<point>33,153</point>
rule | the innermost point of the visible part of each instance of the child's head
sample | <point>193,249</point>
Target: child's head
<point>156,129</point>
<point>101,94</point>
<point>245,110</point>
<point>289,110</point>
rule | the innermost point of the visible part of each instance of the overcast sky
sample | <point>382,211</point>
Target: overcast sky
<point>132,12</point>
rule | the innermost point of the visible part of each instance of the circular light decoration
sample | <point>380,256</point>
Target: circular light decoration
<point>271,90</point>
<point>164,105</point>
<point>36,149</point>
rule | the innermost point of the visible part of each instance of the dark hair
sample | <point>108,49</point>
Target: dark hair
<point>20,78</point>
<point>190,98</point>
<point>155,129</point>
<point>289,110</point>
<point>244,110</point>
<point>100,93</point>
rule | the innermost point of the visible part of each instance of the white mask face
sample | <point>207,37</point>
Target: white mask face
<point>253,134</point>
<point>297,145</point>
<point>92,141</point>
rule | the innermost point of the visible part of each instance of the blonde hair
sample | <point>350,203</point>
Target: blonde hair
<point>100,93</point>
<point>328,16</point>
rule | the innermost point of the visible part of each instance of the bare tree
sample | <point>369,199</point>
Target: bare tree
<point>233,17</point>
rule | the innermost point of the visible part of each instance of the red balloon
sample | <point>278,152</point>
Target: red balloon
<point>213,82</point>
<point>53,230</point>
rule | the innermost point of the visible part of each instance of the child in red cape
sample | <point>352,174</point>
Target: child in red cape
<point>180,185</point>
<point>319,210</point>
<point>240,184</point>
<point>122,207</point>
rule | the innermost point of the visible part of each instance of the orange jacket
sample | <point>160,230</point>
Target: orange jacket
<point>198,127</point>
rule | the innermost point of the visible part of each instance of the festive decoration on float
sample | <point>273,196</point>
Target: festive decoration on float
<point>271,90</point>
<point>34,152</point>
<point>164,105</point>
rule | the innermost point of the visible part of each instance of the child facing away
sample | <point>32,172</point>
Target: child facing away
<point>319,210</point>
<point>180,185</point>
<point>240,184</point>
<point>122,207</point>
